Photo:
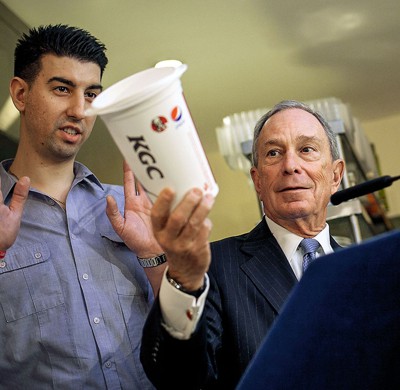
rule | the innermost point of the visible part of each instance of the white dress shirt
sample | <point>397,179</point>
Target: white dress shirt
<point>180,311</point>
<point>289,242</point>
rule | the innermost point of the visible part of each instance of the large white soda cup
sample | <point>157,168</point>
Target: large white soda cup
<point>148,118</point>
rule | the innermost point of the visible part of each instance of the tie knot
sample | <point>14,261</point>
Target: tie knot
<point>309,245</point>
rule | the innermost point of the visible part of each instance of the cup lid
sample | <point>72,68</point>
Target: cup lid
<point>134,89</point>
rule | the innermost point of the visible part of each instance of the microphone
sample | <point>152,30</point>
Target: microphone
<point>363,189</point>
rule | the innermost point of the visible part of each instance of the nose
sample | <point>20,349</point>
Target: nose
<point>76,107</point>
<point>291,163</point>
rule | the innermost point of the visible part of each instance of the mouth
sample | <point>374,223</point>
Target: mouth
<point>71,130</point>
<point>290,189</point>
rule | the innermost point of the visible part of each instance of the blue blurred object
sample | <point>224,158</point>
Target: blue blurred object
<point>340,328</point>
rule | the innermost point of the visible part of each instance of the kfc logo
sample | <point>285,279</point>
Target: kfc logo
<point>159,124</point>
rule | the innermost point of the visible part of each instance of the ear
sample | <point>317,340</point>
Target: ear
<point>256,179</point>
<point>18,91</point>
<point>338,172</point>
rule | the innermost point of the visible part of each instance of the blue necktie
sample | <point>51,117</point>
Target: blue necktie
<point>309,246</point>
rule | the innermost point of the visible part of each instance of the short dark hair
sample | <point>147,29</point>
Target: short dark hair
<point>60,40</point>
<point>289,104</point>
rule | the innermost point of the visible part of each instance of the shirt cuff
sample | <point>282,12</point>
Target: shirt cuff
<point>181,312</point>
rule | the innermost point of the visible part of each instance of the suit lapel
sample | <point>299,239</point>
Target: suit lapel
<point>335,246</point>
<point>268,267</point>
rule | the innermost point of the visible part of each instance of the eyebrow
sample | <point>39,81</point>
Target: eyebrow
<point>306,138</point>
<point>273,141</point>
<point>72,84</point>
<point>300,138</point>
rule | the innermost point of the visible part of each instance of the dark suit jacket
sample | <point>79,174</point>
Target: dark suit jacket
<point>250,280</point>
<point>346,335</point>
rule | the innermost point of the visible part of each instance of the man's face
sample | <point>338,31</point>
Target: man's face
<point>295,176</point>
<point>53,118</point>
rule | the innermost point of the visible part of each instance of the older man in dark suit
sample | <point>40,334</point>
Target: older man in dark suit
<point>210,318</point>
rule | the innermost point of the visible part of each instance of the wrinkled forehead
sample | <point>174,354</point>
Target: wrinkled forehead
<point>291,123</point>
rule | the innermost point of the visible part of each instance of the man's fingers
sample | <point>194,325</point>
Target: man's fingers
<point>200,238</point>
<point>185,220</point>
<point>126,167</point>
<point>113,214</point>
<point>129,181</point>
<point>139,188</point>
<point>132,186</point>
<point>20,194</point>
<point>181,214</point>
<point>161,209</point>
<point>196,221</point>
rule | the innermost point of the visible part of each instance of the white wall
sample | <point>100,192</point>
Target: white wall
<point>385,135</point>
<point>236,207</point>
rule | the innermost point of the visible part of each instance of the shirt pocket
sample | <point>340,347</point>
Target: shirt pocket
<point>122,263</point>
<point>132,286</point>
<point>28,282</point>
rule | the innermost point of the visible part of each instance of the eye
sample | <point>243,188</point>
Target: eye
<point>272,153</point>
<point>62,89</point>
<point>91,95</point>
<point>308,149</point>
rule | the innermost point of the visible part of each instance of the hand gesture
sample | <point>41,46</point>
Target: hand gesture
<point>183,233</point>
<point>135,226</point>
<point>10,216</point>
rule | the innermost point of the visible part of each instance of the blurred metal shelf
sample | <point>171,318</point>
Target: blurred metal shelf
<point>364,217</point>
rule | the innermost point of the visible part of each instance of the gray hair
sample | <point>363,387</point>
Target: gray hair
<point>288,104</point>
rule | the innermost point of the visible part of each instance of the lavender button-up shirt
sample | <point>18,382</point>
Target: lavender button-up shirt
<point>73,297</point>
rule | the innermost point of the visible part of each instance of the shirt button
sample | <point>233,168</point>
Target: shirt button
<point>2,264</point>
<point>96,320</point>
<point>38,255</point>
<point>85,276</point>
<point>108,364</point>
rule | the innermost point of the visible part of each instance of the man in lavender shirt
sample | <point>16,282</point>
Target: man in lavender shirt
<point>73,294</point>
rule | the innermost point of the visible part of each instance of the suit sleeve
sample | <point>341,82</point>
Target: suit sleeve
<point>170,362</point>
<point>185,364</point>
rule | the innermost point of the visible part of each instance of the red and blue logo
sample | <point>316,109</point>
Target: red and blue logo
<point>176,114</point>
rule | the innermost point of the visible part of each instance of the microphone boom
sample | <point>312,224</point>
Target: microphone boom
<point>363,189</point>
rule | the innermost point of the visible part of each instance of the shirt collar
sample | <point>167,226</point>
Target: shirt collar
<point>81,173</point>
<point>289,242</point>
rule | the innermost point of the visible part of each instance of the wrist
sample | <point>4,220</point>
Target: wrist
<point>195,289</point>
<point>149,262</point>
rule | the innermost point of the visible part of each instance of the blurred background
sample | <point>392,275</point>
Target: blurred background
<point>243,57</point>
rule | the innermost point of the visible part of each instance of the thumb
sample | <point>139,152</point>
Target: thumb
<point>20,195</point>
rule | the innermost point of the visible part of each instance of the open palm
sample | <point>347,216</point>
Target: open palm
<point>134,227</point>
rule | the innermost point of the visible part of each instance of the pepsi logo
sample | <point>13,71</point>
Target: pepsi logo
<point>176,114</point>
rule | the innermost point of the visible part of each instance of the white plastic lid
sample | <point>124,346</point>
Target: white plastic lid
<point>134,89</point>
